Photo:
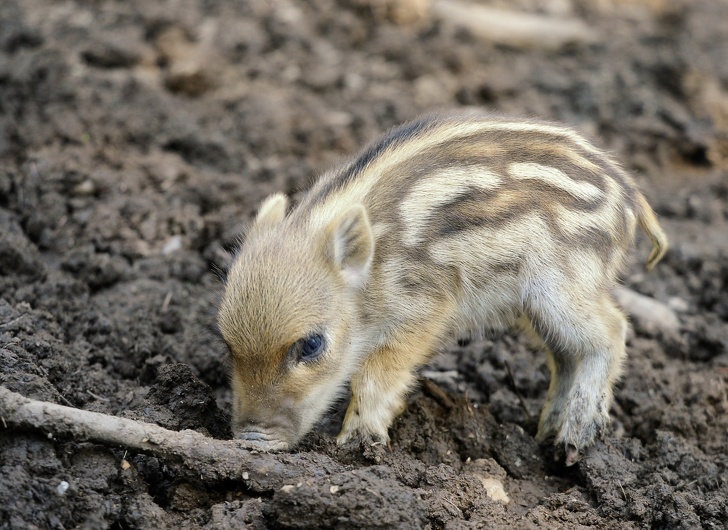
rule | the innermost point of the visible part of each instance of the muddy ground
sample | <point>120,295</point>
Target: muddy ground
<point>136,139</point>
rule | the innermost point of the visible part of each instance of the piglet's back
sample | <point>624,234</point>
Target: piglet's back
<point>456,187</point>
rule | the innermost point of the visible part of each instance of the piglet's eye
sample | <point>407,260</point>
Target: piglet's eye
<point>311,347</point>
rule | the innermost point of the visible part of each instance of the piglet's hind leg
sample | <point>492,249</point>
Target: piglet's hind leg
<point>586,354</point>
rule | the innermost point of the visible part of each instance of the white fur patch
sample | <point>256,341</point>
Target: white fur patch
<point>434,191</point>
<point>555,177</point>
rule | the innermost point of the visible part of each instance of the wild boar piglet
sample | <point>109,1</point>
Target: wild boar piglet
<point>453,223</point>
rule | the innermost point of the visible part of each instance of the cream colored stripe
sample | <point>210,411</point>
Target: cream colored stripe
<point>554,177</point>
<point>363,183</point>
<point>475,250</point>
<point>438,189</point>
<point>526,127</point>
<point>606,217</point>
<point>442,132</point>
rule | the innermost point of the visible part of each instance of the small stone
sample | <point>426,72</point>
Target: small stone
<point>409,12</point>
<point>172,245</point>
<point>125,465</point>
<point>333,489</point>
<point>85,188</point>
<point>62,487</point>
<point>494,489</point>
<point>288,488</point>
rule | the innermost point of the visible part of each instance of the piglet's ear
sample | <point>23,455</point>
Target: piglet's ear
<point>272,210</point>
<point>350,245</point>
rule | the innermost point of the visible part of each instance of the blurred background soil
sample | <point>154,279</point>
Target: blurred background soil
<point>137,138</point>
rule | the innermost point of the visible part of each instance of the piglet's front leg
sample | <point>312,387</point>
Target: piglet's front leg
<point>379,389</point>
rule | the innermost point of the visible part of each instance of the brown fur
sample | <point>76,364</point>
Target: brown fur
<point>452,223</point>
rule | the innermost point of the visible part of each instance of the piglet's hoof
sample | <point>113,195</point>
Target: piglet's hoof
<point>358,440</point>
<point>572,455</point>
<point>567,453</point>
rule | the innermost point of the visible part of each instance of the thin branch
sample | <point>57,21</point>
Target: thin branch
<point>210,459</point>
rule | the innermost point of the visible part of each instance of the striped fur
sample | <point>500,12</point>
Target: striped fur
<point>452,223</point>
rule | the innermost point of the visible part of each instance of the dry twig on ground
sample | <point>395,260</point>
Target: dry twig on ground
<point>210,459</point>
<point>517,29</point>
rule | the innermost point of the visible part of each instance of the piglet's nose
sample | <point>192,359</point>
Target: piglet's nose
<point>262,441</point>
<point>253,436</point>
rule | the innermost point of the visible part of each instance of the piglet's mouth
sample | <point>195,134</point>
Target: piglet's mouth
<point>261,441</point>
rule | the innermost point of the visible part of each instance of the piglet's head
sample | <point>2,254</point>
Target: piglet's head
<point>290,316</point>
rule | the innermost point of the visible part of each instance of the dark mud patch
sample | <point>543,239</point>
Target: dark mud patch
<point>136,140</point>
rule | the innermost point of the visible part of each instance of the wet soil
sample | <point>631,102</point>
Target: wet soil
<point>136,139</point>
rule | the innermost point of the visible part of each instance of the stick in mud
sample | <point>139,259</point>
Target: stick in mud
<point>213,460</point>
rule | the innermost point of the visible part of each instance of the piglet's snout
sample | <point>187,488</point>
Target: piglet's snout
<point>276,434</point>
<point>262,441</point>
<point>254,436</point>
